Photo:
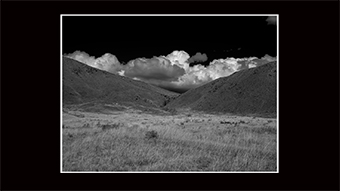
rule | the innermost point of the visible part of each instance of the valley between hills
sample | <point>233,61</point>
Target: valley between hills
<point>111,123</point>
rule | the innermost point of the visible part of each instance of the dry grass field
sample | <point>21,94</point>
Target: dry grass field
<point>132,140</point>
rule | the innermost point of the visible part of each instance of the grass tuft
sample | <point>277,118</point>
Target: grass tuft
<point>110,126</point>
<point>151,135</point>
<point>86,125</point>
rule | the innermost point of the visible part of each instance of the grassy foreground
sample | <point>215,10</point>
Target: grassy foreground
<point>184,146</point>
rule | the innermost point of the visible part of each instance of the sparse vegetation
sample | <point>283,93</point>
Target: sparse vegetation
<point>151,135</point>
<point>230,122</point>
<point>86,125</point>
<point>111,126</point>
<point>77,71</point>
<point>167,147</point>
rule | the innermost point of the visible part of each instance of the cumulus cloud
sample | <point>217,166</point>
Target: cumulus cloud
<point>156,68</point>
<point>271,20</point>
<point>252,65</point>
<point>82,57</point>
<point>199,74</point>
<point>268,58</point>
<point>159,70</point>
<point>172,71</point>
<point>107,62</point>
<point>198,57</point>
<point>179,58</point>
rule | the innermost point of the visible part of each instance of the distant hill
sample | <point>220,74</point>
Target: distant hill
<point>83,83</point>
<point>250,91</point>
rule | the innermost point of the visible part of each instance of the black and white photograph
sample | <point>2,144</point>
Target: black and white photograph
<point>162,93</point>
<point>169,95</point>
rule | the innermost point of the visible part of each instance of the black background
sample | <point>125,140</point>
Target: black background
<point>131,37</point>
<point>308,98</point>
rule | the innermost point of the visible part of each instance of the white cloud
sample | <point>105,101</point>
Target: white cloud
<point>173,70</point>
<point>218,68</point>
<point>268,58</point>
<point>107,62</point>
<point>121,73</point>
<point>156,68</point>
<point>179,58</point>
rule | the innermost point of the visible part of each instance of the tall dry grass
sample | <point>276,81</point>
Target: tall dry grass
<point>169,148</point>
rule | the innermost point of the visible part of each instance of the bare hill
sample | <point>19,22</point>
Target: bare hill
<point>251,91</point>
<point>83,83</point>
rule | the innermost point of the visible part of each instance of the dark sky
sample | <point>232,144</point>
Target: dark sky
<point>146,36</point>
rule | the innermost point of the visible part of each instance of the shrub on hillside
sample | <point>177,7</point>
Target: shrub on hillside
<point>151,135</point>
<point>77,71</point>
<point>86,125</point>
<point>110,126</point>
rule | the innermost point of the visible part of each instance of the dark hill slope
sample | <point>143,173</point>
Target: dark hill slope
<point>83,83</point>
<point>251,91</point>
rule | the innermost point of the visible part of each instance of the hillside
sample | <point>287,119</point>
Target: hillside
<point>251,91</point>
<point>82,84</point>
